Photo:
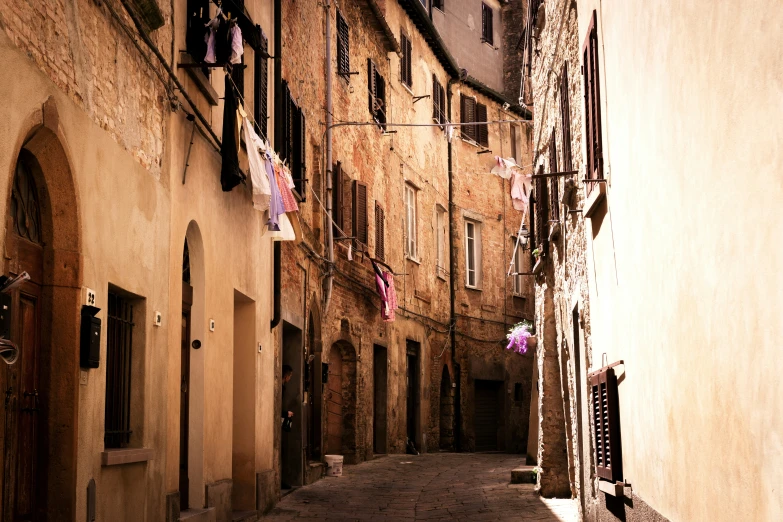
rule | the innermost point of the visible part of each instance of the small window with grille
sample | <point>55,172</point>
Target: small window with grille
<point>606,424</point>
<point>120,331</point>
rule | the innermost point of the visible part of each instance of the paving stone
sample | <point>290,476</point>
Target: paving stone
<point>435,486</point>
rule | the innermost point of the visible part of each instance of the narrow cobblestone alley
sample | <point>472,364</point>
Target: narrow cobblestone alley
<point>435,486</point>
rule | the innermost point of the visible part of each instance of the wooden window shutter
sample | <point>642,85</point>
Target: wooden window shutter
<point>380,237</point>
<point>482,131</point>
<point>337,198</point>
<point>606,425</point>
<point>435,99</point>
<point>542,214</point>
<point>360,211</point>
<point>468,115</point>
<point>554,189</point>
<point>300,185</point>
<point>406,74</point>
<point>261,101</point>
<point>371,88</point>
<point>592,104</point>
<point>486,24</point>
<point>343,47</point>
<point>380,87</point>
<point>565,119</point>
<point>281,139</point>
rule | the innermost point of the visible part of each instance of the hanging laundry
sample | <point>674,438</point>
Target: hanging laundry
<point>504,167</point>
<point>210,38</point>
<point>223,42</point>
<point>230,174</point>
<point>380,284</point>
<point>293,218</point>
<point>350,251</point>
<point>391,298</point>
<point>289,201</point>
<point>237,47</point>
<point>286,230</point>
<point>521,185</point>
<point>259,182</point>
<point>276,207</point>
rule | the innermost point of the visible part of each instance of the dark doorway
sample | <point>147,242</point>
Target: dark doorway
<point>458,408</point>
<point>23,420</point>
<point>380,398</point>
<point>340,400</point>
<point>577,353</point>
<point>314,387</point>
<point>184,393</point>
<point>291,444</point>
<point>486,419</point>
<point>413,349</point>
<point>446,411</point>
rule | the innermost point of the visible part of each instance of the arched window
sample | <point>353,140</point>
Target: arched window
<point>25,209</point>
<point>186,264</point>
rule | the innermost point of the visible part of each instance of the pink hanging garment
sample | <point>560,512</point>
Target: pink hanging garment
<point>237,48</point>
<point>391,297</point>
<point>289,201</point>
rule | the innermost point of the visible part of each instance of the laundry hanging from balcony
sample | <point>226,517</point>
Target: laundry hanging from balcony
<point>384,282</point>
<point>223,39</point>
<point>521,183</point>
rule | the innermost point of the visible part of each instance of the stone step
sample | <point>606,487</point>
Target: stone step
<point>197,515</point>
<point>523,475</point>
<point>244,516</point>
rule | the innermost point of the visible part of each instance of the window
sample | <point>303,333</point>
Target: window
<point>517,279</point>
<point>592,88</point>
<point>486,24</point>
<point>360,212</point>
<point>565,119</point>
<point>343,48</point>
<point>606,425</point>
<point>376,87</point>
<point>410,222</point>
<point>541,212</point>
<point>514,146</point>
<point>472,254</point>
<point>438,102</point>
<point>554,189</point>
<point>337,199</point>
<point>293,143</point>
<point>406,68</point>
<point>439,4</point>
<point>440,235</point>
<point>198,17</point>
<point>119,340</point>
<point>380,236</point>
<point>261,68</point>
<point>471,112</point>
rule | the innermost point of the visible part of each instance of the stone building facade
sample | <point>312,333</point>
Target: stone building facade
<point>113,160</point>
<point>612,301</point>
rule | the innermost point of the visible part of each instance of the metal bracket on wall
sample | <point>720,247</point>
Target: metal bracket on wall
<point>417,98</point>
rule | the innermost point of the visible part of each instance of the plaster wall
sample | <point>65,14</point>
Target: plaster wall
<point>670,283</point>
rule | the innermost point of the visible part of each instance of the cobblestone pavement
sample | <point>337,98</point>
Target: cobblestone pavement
<point>435,486</point>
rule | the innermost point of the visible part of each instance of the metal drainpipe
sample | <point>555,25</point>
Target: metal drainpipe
<point>278,142</point>
<point>452,271</point>
<point>329,281</point>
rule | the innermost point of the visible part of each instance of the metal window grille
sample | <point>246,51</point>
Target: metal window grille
<point>119,342</point>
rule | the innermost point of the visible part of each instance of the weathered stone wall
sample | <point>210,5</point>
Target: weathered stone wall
<point>514,14</point>
<point>562,286</point>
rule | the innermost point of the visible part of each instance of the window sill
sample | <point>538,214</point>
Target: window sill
<point>615,489</point>
<point>409,258</point>
<point>474,288</point>
<point>407,88</point>
<point>202,82</point>
<point>119,456</point>
<point>596,196</point>
<point>488,44</point>
<point>469,141</point>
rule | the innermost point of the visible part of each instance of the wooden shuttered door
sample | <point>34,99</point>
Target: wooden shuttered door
<point>554,188</point>
<point>592,104</point>
<point>343,47</point>
<point>468,115</point>
<point>337,198</point>
<point>261,67</point>
<point>380,241</point>
<point>360,212</point>
<point>565,119</point>
<point>482,131</point>
<point>406,67</point>
<point>606,425</point>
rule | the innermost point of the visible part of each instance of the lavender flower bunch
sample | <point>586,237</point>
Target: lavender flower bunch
<point>517,337</point>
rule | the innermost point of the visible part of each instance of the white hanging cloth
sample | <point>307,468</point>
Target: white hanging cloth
<point>259,180</point>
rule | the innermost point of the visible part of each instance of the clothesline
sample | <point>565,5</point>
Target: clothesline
<point>244,104</point>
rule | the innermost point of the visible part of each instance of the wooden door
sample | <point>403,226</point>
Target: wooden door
<point>380,398</point>
<point>412,349</point>
<point>187,301</point>
<point>487,415</point>
<point>334,403</point>
<point>23,398</point>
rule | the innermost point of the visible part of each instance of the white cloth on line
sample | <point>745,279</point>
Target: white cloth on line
<point>259,180</point>
<point>237,48</point>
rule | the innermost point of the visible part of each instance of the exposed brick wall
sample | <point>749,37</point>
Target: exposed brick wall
<point>82,49</point>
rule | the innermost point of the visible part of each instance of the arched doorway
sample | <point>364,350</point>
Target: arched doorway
<point>40,413</point>
<point>184,396</point>
<point>340,400</point>
<point>446,411</point>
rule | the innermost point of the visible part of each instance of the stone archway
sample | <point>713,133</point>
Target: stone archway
<point>41,415</point>
<point>446,411</point>
<point>340,401</point>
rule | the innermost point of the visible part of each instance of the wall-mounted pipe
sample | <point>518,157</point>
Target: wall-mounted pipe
<point>329,280</point>
<point>279,136</point>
